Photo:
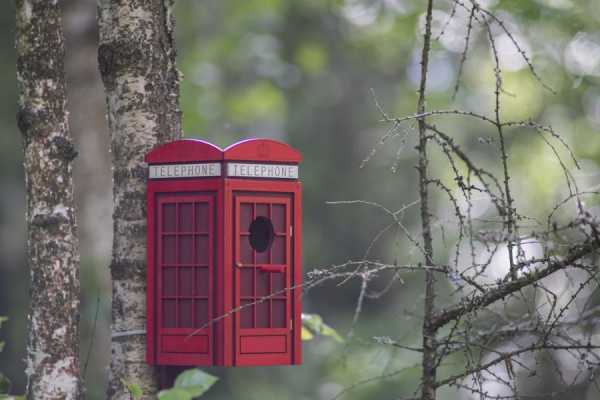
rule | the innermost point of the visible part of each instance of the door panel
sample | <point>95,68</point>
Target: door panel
<point>185,275</point>
<point>262,271</point>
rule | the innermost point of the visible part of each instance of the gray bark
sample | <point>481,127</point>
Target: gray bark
<point>137,64</point>
<point>428,391</point>
<point>52,245</point>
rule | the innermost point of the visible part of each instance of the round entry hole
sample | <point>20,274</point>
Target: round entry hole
<point>261,234</point>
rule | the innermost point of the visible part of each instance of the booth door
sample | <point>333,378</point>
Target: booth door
<point>185,261</point>
<point>262,264</point>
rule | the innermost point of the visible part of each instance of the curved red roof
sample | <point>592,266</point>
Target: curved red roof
<point>262,150</point>
<point>185,150</point>
<point>195,150</point>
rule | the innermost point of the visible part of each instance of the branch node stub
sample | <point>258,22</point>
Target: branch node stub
<point>63,148</point>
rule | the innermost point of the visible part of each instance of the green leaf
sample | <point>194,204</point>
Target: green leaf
<point>134,389</point>
<point>314,324</point>
<point>326,330</point>
<point>195,382</point>
<point>306,334</point>
<point>4,384</point>
<point>174,394</point>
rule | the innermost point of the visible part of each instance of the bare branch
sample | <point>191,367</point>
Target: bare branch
<point>575,254</point>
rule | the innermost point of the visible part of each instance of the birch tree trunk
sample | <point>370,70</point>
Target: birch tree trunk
<point>93,177</point>
<point>137,64</point>
<point>87,121</point>
<point>52,245</point>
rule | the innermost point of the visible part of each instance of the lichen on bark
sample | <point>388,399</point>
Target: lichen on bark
<point>52,244</point>
<point>136,57</point>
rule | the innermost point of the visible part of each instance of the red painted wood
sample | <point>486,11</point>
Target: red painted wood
<point>256,360</point>
<point>181,190</point>
<point>220,326</point>
<point>297,293</point>
<point>185,344</point>
<point>272,268</point>
<point>264,344</point>
<point>227,289</point>
<point>150,282</point>
<point>262,150</point>
<point>185,150</point>
<point>184,291</point>
<point>183,308</point>
<point>261,309</point>
<point>195,150</point>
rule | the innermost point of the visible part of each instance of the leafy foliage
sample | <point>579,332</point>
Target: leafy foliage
<point>312,324</point>
<point>5,384</point>
<point>189,384</point>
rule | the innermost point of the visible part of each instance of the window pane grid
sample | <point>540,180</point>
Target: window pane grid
<point>194,256</point>
<point>185,265</point>
<point>263,310</point>
<point>177,322</point>
<point>185,293</point>
<point>191,233</point>
<point>254,273</point>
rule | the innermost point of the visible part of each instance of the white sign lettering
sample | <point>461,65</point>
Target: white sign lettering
<point>184,170</point>
<point>278,171</point>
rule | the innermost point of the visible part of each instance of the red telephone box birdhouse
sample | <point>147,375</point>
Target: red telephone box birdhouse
<point>224,248</point>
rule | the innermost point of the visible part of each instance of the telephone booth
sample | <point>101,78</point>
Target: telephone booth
<point>223,255</point>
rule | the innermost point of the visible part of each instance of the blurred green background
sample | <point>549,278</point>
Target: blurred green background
<point>302,72</point>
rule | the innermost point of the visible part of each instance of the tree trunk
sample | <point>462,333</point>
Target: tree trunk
<point>137,64</point>
<point>93,189</point>
<point>52,245</point>
<point>428,390</point>
<point>87,121</point>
